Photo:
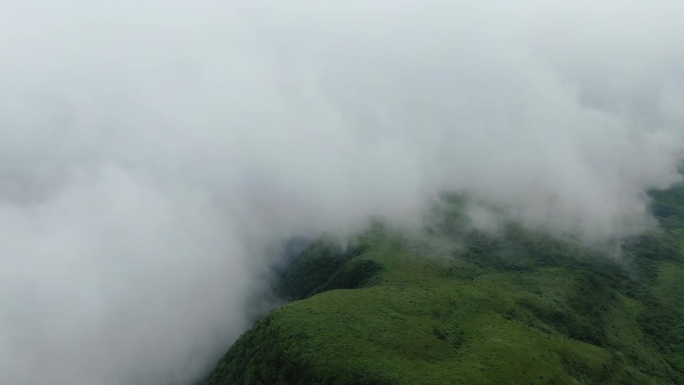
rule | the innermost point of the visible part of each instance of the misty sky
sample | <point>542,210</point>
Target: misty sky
<point>154,155</point>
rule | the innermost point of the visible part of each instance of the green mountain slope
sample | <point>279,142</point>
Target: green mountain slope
<point>518,307</point>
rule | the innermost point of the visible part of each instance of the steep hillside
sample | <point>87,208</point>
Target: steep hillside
<point>516,307</point>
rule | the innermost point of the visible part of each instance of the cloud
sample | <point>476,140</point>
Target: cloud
<point>153,157</point>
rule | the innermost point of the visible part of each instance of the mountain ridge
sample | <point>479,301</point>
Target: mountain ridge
<point>516,307</point>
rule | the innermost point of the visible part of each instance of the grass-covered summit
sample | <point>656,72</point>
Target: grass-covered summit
<point>515,307</point>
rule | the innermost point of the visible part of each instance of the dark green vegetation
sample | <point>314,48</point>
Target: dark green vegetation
<point>516,307</point>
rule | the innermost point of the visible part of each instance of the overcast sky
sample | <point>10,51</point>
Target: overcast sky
<point>153,155</point>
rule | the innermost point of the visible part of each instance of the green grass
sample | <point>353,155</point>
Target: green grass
<point>520,307</point>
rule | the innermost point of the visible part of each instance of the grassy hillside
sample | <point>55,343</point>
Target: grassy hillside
<point>518,307</point>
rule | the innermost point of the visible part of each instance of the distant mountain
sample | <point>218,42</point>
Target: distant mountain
<point>515,307</point>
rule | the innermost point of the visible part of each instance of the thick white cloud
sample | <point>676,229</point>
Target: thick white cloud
<point>153,155</point>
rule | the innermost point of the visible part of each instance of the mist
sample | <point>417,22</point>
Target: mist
<point>155,156</point>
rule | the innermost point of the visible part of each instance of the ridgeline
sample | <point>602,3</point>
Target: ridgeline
<point>515,307</point>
